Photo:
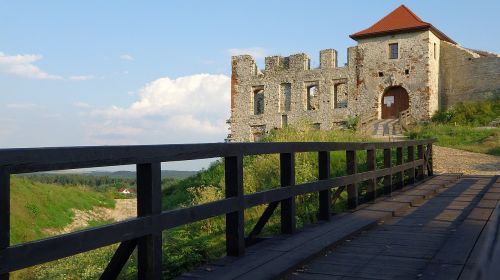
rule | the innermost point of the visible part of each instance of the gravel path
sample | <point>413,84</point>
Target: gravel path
<point>448,160</point>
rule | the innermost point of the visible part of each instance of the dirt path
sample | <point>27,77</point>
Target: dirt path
<point>124,208</point>
<point>448,160</point>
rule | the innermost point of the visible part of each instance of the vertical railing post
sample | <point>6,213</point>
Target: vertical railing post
<point>430,169</point>
<point>4,214</point>
<point>287,170</point>
<point>352,189</point>
<point>388,186</point>
<point>420,155</point>
<point>325,197</point>
<point>235,221</point>
<point>411,158</point>
<point>400,174</point>
<point>149,247</point>
<point>370,164</point>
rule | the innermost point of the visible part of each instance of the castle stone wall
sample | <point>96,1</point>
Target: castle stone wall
<point>435,74</point>
<point>467,76</point>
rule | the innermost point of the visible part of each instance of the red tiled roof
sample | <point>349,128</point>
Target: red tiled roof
<point>400,20</point>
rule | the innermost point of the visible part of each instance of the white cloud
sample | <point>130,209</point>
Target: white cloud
<point>82,105</point>
<point>186,109</point>
<point>82,77</point>
<point>127,57</point>
<point>21,105</point>
<point>256,52</point>
<point>22,65</point>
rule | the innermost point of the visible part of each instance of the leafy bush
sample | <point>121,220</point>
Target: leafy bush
<point>469,113</point>
<point>352,122</point>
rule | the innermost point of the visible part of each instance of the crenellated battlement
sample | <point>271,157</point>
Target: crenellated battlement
<point>245,64</point>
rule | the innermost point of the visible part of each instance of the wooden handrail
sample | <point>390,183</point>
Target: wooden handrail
<point>144,231</point>
<point>365,119</point>
<point>405,119</point>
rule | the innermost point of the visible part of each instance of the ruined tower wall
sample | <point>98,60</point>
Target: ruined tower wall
<point>467,76</point>
<point>284,76</point>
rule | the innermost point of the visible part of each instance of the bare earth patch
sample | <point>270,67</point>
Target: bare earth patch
<point>448,160</point>
<point>124,209</point>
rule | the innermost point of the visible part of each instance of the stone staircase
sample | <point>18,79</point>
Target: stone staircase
<point>386,128</point>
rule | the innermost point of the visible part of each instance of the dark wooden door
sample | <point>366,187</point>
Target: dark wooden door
<point>394,101</point>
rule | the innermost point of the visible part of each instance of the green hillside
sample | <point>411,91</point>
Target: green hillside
<point>37,206</point>
<point>465,126</point>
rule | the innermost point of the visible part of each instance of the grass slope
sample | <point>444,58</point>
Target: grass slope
<point>463,127</point>
<point>37,206</point>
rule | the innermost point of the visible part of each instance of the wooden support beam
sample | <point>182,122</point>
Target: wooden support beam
<point>235,221</point>
<point>149,251</point>
<point>371,191</point>
<point>288,208</point>
<point>119,259</point>
<point>420,169</point>
<point>399,161</point>
<point>4,214</point>
<point>337,194</point>
<point>352,189</point>
<point>388,185</point>
<point>325,197</point>
<point>411,171</point>
<point>268,212</point>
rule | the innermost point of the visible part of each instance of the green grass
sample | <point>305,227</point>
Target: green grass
<point>473,139</point>
<point>37,206</point>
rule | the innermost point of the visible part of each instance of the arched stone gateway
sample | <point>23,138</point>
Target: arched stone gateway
<point>394,100</point>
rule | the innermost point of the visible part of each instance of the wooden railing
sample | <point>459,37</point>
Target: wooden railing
<point>144,231</point>
<point>405,119</point>
<point>365,119</point>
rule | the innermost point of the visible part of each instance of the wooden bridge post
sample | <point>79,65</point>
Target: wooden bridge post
<point>411,158</point>
<point>149,248</point>
<point>4,214</point>
<point>388,186</point>
<point>399,161</point>
<point>325,197</point>
<point>288,208</point>
<point>235,221</point>
<point>371,164</point>
<point>420,155</point>
<point>352,189</point>
<point>428,164</point>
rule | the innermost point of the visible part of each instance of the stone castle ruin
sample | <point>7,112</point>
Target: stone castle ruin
<point>400,63</point>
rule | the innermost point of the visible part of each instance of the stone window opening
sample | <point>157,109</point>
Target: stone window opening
<point>435,51</point>
<point>312,98</point>
<point>407,71</point>
<point>340,96</point>
<point>284,121</point>
<point>380,74</point>
<point>285,97</point>
<point>258,101</point>
<point>393,51</point>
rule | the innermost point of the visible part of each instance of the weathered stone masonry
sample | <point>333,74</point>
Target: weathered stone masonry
<point>430,67</point>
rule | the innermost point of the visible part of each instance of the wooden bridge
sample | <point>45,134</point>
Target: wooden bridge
<point>411,224</point>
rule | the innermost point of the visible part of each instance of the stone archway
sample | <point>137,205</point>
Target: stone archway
<point>394,100</point>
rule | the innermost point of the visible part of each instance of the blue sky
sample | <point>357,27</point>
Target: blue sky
<point>149,72</point>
